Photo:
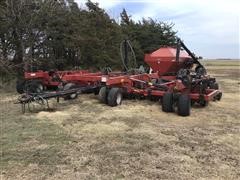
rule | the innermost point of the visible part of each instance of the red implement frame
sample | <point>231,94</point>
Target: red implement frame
<point>49,79</point>
<point>166,63</point>
<point>146,88</point>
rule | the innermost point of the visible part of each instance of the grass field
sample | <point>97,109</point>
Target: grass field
<point>83,139</point>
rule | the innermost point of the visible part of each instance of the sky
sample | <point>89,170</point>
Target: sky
<point>209,28</point>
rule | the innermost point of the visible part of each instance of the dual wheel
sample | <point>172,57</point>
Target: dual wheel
<point>183,104</point>
<point>112,97</point>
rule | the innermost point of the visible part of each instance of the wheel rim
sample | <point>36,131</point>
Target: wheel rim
<point>119,98</point>
<point>38,90</point>
<point>73,96</point>
<point>40,86</point>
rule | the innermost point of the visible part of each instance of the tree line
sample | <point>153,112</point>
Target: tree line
<point>58,34</point>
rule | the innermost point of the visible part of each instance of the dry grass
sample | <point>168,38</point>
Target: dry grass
<point>83,139</point>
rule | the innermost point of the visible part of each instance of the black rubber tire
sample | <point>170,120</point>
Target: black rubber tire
<point>193,103</point>
<point>20,84</point>
<point>219,96</point>
<point>203,103</point>
<point>102,95</point>
<point>113,97</point>
<point>96,91</point>
<point>167,102</point>
<point>184,105</point>
<point>214,86</point>
<point>67,87</point>
<point>33,87</point>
